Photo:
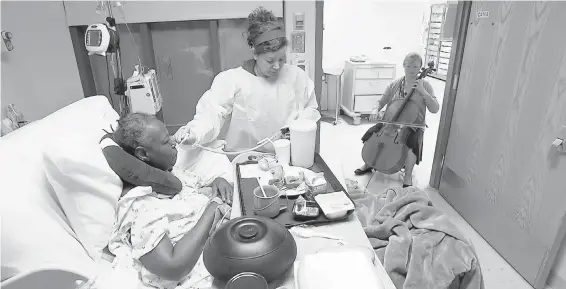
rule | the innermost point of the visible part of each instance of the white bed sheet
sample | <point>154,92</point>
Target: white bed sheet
<point>110,275</point>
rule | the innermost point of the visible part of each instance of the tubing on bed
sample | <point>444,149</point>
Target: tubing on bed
<point>136,172</point>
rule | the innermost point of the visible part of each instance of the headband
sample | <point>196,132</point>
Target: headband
<point>268,36</point>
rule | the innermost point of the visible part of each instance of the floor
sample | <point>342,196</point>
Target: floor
<point>344,139</point>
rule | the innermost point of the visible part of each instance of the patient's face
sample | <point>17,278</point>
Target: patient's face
<point>160,150</point>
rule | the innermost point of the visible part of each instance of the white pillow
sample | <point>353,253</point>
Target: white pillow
<point>35,231</point>
<point>86,187</point>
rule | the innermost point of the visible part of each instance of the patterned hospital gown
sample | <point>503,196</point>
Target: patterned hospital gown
<point>144,217</point>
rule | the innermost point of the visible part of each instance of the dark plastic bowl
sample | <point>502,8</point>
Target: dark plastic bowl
<point>250,244</point>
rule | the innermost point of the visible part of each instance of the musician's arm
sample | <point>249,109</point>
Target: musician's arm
<point>385,98</point>
<point>430,100</point>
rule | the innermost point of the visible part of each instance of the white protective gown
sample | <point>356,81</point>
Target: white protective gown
<point>259,108</point>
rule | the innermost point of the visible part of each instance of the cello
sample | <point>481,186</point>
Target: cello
<point>385,150</point>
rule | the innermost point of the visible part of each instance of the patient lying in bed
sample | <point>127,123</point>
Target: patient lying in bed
<point>163,234</point>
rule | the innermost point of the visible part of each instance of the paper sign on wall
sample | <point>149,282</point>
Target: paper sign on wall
<point>483,14</point>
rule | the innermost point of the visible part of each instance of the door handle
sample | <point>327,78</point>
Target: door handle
<point>558,145</point>
<point>7,37</point>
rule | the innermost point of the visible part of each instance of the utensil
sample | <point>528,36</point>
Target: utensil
<point>309,233</point>
<point>264,195</point>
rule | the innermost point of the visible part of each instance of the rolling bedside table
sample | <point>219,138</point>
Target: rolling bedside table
<point>363,84</point>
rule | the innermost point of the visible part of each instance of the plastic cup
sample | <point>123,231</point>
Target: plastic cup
<point>283,151</point>
<point>303,139</point>
<point>268,205</point>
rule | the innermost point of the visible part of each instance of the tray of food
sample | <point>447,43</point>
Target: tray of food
<point>306,196</point>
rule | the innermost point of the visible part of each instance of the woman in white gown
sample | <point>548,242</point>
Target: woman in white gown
<point>260,97</point>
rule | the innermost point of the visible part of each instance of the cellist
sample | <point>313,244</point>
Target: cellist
<point>424,98</point>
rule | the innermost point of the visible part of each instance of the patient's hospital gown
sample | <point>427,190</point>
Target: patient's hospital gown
<point>144,217</point>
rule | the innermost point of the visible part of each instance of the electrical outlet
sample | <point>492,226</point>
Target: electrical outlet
<point>299,21</point>
<point>298,42</point>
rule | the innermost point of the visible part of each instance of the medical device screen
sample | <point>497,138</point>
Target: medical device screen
<point>94,38</point>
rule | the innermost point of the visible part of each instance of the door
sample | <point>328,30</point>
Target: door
<point>232,39</point>
<point>500,170</point>
<point>184,64</point>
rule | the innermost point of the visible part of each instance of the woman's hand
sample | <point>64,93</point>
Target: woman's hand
<point>184,136</point>
<point>217,204</point>
<point>213,204</point>
<point>418,86</point>
<point>376,115</point>
<point>222,188</point>
<point>220,214</point>
<point>224,209</point>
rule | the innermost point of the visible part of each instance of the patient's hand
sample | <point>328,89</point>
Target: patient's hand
<point>224,209</point>
<point>222,214</point>
<point>223,189</point>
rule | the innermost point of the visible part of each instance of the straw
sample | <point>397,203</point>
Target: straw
<point>261,187</point>
<point>264,141</point>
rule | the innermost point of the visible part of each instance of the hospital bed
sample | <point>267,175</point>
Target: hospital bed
<point>36,236</point>
<point>39,247</point>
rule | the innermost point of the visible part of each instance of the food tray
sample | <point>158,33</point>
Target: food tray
<point>286,218</point>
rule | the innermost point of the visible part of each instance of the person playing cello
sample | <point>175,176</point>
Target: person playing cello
<point>425,99</point>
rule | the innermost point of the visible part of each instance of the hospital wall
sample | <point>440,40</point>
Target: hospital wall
<point>85,12</point>
<point>40,74</point>
<point>368,26</point>
<point>309,10</point>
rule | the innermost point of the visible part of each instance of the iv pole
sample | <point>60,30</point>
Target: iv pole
<point>116,62</point>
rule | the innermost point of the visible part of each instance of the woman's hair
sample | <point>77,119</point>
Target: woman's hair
<point>260,21</point>
<point>412,57</point>
<point>132,131</point>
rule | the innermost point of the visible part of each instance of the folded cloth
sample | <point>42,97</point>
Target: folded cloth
<point>417,243</point>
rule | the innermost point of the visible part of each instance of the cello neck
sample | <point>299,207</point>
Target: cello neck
<point>405,101</point>
<point>422,75</point>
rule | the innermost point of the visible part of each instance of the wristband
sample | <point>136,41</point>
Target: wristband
<point>216,200</point>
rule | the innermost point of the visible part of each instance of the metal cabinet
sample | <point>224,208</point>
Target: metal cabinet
<point>363,84</point>
<point>439,39</point>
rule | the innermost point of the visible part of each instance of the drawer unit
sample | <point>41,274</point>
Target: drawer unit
<point>369,86</point>
<point>365,103</point>
<point>363,83</point>
<point>375,73</point>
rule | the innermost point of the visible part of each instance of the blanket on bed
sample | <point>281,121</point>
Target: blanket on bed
<point>418,244</point>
